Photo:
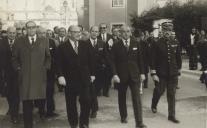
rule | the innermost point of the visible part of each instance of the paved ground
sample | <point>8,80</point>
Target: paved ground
<point>191,108</point>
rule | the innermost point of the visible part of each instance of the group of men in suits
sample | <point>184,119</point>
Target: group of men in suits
<point>84,69</point>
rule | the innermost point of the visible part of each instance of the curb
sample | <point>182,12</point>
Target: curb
<point>191,72</point>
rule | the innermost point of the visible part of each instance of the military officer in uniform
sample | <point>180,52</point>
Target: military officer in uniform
<point>165,68</point>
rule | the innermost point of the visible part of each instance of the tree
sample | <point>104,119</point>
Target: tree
<point>185,17</point>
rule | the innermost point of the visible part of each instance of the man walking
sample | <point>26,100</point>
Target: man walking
<point>75,72</point>
<point>165,66</point>
<point>31,58</point>
<point>127,63</point>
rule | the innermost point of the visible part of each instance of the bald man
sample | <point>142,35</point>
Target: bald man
<point>128,71</point>
<point>76,73</point>
<point>6,48</point>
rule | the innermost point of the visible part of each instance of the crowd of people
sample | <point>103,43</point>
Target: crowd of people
<point>197,52</point>
<point>86,64</point>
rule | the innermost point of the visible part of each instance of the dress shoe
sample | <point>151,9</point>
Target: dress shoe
<point>50,115</point>
<point>106,94</point>
<point>93,114</point>
<point>84,126</point>
<point>73,126</point>
<point>14,120</point>
<point>124,120</point>
<point>8,112</point>
<point>154,110</point>
<point>141,126</point>
<point>173,119</point>
<point>42,117</point>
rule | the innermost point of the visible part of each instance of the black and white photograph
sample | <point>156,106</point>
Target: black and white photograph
<point>103,63</point>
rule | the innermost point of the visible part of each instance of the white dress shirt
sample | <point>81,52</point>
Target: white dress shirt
<point>73,44</point>
<point>30,38</point>
<point>62,39</point>
<point>128,42</point>
<point>192,39</point>
<point>93,42</point>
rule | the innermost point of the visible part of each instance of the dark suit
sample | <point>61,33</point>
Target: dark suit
<point>101,62</point>
<point>31,60</point>
<point>193,53</point>
<point>12,89</point>
<point>107,85</point>
<point>166,61</point>
<point>51,78</point>
<point>58,42</point>
<point>108,37</point>
<point>146,58</point>
<point>77,69</point>
<point>128,65</point>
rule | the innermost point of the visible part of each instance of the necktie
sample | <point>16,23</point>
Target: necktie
<point>76,47</point>
<point>127,45</point>
<point>104,38</point>
<point>61,40</point>
<point>32,41</point>
<point>94,43</point>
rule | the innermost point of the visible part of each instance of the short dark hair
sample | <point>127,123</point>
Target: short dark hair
<point>55,27</point>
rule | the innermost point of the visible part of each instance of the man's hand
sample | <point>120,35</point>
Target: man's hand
<point>92,79</point>
<point>116,79</point>
<point>155,78</point>
<point>142,77</point>
<point>62,81</point>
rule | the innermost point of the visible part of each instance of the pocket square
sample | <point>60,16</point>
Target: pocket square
<point>134,48</point>
<point>51,48</point>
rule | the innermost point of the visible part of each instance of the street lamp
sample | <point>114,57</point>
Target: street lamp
<point>65,5</point>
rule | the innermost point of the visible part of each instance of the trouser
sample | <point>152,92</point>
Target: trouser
<point>28,111</point>
<point>170,84</point>
<point>94,99</point>
<point>50,93</point>
<point>71,94</point>
<point>136,100</point>
<point>146,80</point>
<point>12,94</point>
<point>193,59</point>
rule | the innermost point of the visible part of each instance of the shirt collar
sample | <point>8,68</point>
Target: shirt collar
<point>11,40</point>
<point>63,38</point>
<point>92,40</point>
<point>128,40</point>
<point>72,42</point>
<point>30,38</point>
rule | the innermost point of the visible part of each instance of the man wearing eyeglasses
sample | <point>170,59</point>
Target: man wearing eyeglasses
<point>31,59</point>
<point>105,37</point>
<point>75,72</point>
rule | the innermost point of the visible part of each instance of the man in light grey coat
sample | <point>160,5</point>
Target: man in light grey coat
<point>31,58</point>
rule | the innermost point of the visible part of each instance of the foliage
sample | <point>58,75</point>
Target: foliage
<point>185,17</point>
